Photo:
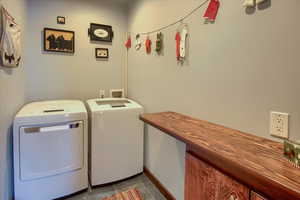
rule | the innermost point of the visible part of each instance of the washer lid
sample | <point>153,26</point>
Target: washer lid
<point>45,108</point>
<point>111,104</point>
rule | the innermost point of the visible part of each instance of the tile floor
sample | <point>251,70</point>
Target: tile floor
<point>141,182</point>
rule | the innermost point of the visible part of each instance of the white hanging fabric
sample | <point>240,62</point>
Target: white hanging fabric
<point>183,37</point>
<point>10,44</point>
<point>181,42</point>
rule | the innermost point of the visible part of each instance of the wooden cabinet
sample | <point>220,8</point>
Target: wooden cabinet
<point>254,161</point>
<point>204,182</point>
<point>255,196</point>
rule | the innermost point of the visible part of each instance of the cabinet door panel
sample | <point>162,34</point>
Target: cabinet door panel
<point>200,180</point>
<point>255,196</point>
<point>204,182</point>
<point>229,189</point>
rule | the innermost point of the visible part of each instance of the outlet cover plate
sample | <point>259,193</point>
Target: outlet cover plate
<point>279,126</point>
<point>102,94</point>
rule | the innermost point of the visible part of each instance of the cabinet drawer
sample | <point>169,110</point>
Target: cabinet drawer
<point>203,182</point>
<point>255,196</point>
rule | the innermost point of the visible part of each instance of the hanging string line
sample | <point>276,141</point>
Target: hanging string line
<point>176,22</point>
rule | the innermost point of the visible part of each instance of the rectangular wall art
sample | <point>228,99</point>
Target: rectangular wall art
<point>56,40</point>
<point>102,53</point>
<point>100,32</point>
<point>61,20</point>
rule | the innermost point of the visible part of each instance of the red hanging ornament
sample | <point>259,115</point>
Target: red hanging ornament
<point>178,39</point>
<point>212,10</point>
<point>148,45</point>
<point>128,43</point>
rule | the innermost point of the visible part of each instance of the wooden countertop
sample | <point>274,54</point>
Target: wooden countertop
<point>254,161</point>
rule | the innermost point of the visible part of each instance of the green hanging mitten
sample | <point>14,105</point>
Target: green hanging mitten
<point>159,43</point>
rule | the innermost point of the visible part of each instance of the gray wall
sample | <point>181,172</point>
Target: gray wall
<point>78,76</point>
<point>12,97</point>
<point>238,70</point>
<point>44,76</point>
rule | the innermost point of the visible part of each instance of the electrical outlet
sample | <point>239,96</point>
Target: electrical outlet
<point>279,125</point>
<point>102,94</point>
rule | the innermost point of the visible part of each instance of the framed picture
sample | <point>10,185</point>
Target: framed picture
<point>61,20</point>
<point>102,53</point>
<point>56,40</point>
<point>100,32</point>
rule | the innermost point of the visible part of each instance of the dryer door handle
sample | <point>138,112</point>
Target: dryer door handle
<point>54,128</point>
<point>44,129</point>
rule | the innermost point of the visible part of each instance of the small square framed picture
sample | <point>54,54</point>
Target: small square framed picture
<point>102,53</point>
<point>61,20</point>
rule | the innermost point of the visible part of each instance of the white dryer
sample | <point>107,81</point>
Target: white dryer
<point>50,150</point>
<point>116,140</point>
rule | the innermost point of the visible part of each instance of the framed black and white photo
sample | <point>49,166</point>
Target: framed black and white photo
<point>100,32</point>
<point>61,20</point>
<point>56,40</point>
<point>102,53</point>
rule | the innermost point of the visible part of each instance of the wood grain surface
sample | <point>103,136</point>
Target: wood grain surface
<point>254,161</point>
<point>203,182</point>
<point>255,196</point>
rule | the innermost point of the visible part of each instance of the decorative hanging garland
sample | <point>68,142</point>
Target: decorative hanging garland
<point>181,35</point>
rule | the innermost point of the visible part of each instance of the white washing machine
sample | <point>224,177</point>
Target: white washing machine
<point>116,140</point>
<point>50,150</point>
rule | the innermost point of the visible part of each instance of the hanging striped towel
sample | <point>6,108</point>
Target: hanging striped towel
<point>132,194</point>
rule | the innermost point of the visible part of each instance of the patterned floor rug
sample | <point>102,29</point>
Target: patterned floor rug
<point>132,194</point>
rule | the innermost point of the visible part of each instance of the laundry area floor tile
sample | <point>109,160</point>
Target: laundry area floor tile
<point>141,182</point>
